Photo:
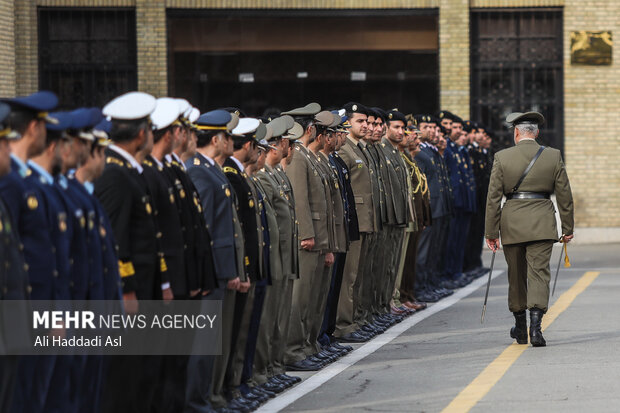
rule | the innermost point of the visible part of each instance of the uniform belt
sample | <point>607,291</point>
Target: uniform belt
<point>528,195</point>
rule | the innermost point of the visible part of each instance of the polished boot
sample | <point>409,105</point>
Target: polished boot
<point>519,331</point>
<point>536,337</point>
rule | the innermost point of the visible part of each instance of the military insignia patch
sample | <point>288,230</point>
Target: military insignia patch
<point>196,161</point>
<point>62,222</point>
<point>227,192</point>
<point>32,202</point>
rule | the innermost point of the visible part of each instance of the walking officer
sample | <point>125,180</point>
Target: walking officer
<point>527,174</point>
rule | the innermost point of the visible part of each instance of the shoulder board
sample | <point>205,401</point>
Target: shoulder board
<point>111,159</point>
<point>230,169</point>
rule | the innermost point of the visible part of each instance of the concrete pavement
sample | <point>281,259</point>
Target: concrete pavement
<point>425,367</point>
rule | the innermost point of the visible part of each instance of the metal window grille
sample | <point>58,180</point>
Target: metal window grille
<point>516,65</point>
<point>87,56</point>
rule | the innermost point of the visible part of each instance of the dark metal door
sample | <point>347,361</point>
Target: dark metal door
<point>87,56</point>
<point>516,65</point>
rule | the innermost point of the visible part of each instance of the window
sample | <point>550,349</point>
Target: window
<point>87,56</point>
<point>516,62</point>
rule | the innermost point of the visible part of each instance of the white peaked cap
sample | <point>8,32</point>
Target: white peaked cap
<point>194,114</point>
<point>165,113</point>
<point>130,106</point>
<point>184,106</point>
<point>245,126</point>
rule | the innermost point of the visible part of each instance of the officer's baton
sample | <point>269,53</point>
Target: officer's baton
<point>486,295</point>
<point>557,271</point>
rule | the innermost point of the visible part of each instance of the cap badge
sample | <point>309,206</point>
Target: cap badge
<point>354,107</point>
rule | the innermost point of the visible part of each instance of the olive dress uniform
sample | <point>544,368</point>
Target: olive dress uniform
<point>290,266</point>
<point>359,167</point>
<point>398,215</point>
<point>527,226</point>
<point>311,211</point>
<point>281,236</point>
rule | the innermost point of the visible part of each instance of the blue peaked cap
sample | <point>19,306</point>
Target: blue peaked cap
<point>42,101</point>
<point>64,119</point>
<point>214,118</point>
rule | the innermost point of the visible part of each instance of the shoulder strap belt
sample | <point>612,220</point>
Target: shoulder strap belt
<point>528,169</point>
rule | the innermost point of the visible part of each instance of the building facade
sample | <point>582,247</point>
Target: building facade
<point>478,58</point>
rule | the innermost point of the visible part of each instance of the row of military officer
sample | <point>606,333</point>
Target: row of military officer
<point>307,226</point>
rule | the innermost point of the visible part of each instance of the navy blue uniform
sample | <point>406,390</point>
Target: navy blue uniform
<point>28,207</point>
<point>62,230</point>
<point>13,286</point>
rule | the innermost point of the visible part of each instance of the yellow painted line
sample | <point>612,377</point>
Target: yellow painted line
<point>482,384</point>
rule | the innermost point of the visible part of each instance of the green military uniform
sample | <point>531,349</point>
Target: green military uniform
<point>528,226</point>
<point>311,211</point>
<point>398,213</point>
<point>359,167</point>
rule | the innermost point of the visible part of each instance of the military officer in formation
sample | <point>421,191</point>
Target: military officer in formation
<point>313,228</point>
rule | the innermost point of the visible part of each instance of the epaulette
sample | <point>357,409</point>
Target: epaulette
<point>111,159</point>
<point>230,169</point>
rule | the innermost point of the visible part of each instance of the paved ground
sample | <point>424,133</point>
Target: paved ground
<point>426,366</point>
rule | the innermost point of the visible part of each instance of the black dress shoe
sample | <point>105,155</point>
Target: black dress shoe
<point>273,387</point>
<point>303,365</point>
<point>338,350</point>
<point>354,337</point>
<point>519,331</point>
<point>369,330</point>
<point>326,355</point>
<point>260,391</point>
<point>236,406</point>
<point>255,396</point>
<point>336,354</point>
<point>348,349</point>
<point>536,337</point>
<point>281,382</point>
<point>292,378</point>
<point>316,360</point>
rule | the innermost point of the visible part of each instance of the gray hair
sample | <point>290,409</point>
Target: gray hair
<point>527,128</point>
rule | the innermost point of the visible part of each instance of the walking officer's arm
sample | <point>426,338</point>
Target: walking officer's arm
<point>564,198</point>
<point>494,201</point>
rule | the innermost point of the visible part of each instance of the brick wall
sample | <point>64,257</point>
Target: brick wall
<point>302,4</point>
<point>26,60</point>
<point>152,47</point>
<point>592,101</point>
<point>454,56</point>
<point>7,48</point>
<point>591,92</point>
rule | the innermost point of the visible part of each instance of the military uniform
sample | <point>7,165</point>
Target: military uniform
<point>527,226</point>
<point>358,164</point>
<point>398,213</point>
<point>311,211</point>
<point>13,283</point>
<point>421,206</point>
<point>527,174</point>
